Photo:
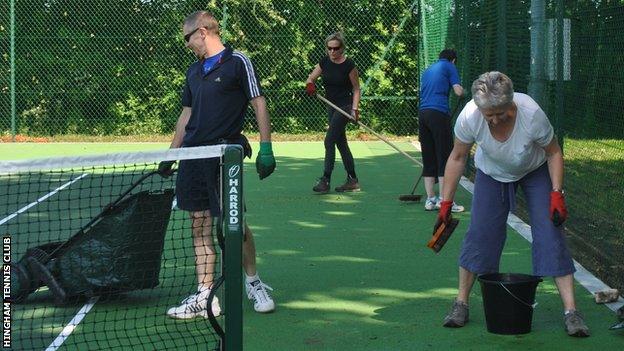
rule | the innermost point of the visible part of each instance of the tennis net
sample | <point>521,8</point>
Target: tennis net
<point>96,251</point>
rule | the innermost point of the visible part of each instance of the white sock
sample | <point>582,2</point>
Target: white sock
<point>567,312</point>
<point>252,278</point>
<point>202,287</point>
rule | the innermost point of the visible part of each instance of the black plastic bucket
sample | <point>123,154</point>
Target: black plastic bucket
<point>508,301</point>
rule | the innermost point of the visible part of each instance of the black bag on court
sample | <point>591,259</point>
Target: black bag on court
<point>117,251</point>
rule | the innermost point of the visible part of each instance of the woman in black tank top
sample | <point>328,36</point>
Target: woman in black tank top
<point>342,87</point>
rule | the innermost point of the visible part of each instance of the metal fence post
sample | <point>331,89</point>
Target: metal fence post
<point>388,47</point>
<point>12,59</point>
<point>560,67</point>
<point>223,24</point>
<point>501,44</point>
<point>536,82</point>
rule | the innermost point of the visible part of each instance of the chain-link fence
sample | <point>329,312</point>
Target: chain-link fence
<point>92,67</point>
<point>95,67</point>
<point>566,55</point>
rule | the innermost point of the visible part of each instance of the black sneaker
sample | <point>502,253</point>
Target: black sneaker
<point>322,186</point>
<point>351,184</point>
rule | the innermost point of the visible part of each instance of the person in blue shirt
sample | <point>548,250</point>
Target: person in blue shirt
<point>219,87</point>
<point>434,123</point>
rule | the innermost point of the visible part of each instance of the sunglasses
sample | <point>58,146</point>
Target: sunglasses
<point>188,36</point>
<point>334,48</point>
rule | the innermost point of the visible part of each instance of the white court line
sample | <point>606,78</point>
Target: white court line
<point>582,275</point>
<point>69,328</point>
<point>40,200</point>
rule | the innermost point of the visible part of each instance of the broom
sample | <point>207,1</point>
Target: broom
<point>411,197</point>
<point>416,198</point>
<point>442,234</point>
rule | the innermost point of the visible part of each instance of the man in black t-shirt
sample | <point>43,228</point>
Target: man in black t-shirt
<point>342,87</point>
<point>219,87</point>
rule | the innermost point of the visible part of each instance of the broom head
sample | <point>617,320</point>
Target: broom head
<point>441,235</point>
<point>410,198</point>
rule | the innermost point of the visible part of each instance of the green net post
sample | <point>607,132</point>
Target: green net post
<point>233,230</point>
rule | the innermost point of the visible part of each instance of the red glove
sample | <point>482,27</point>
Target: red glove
<point>310,89</point>
<point>355,113</point>
<point>444,215</point>
<point>558,210</point>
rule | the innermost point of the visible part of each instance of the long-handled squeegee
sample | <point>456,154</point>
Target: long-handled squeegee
<point>411,197</point>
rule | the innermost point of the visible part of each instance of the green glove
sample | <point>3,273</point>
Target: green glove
<point>265,161</point>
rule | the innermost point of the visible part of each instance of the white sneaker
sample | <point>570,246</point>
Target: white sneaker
<point>194,306</point>
<point>457,208</point>
<point>431,203</point>
<point>257,292</point>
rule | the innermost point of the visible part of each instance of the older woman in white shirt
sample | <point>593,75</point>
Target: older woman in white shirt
<point>516,146</point>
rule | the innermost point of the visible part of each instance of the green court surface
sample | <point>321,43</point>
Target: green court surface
<point>351,271</point>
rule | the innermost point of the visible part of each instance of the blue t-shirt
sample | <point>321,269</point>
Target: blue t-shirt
<point>210,62</point>
<point>435,85</point>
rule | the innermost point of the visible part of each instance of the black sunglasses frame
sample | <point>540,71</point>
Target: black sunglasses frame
<point>187,37</point>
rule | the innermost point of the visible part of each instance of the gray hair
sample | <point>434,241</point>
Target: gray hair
<point>492,90</point>
<point>336,36</point>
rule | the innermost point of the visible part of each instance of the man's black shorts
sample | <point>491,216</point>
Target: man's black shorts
<point>197,184</point>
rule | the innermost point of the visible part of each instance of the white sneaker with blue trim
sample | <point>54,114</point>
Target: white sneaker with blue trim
<point>455,209</point>
<point>432,203</point>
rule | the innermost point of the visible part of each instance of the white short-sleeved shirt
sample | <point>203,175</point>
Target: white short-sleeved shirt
<point>521,153</point>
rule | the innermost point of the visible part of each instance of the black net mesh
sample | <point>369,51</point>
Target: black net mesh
<point>98,256</point>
